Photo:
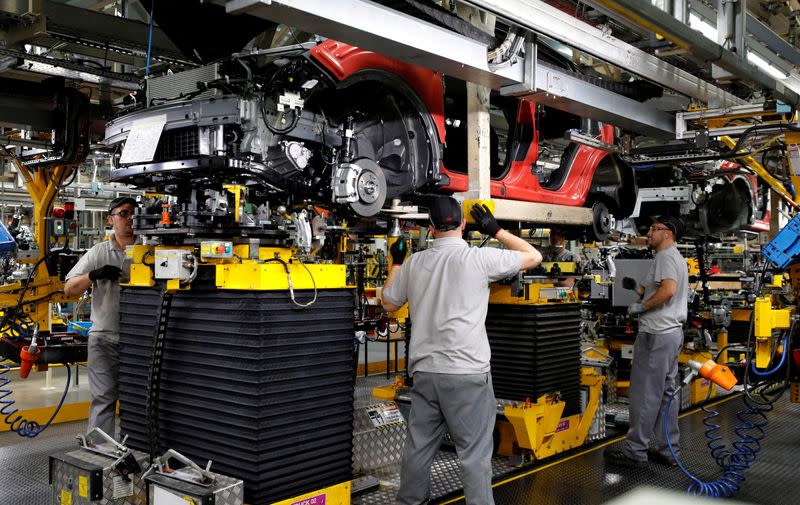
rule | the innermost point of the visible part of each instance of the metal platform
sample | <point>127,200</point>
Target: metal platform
<point>580,476</point>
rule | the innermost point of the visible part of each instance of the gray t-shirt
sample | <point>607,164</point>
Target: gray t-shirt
<point>105,293</point>
<point>447,289</point>
<point>562,254</point>
<point>669,264</point>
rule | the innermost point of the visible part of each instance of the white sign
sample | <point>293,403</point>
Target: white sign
<point>384,414</point>
<point>163,497</point>
<point>140,146</point>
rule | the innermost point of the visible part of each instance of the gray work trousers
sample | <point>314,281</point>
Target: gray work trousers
<point>654,377</point>
<point>465,406</point>
<point>103,368</point>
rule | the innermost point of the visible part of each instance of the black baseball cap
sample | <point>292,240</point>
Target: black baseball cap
<point>673,223</point>
<point>120,201</point>
<point>445,213</point>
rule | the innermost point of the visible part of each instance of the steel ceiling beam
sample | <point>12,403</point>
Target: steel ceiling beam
<point>695,43</point>
<point>113,37</point>
<point>540,17</point>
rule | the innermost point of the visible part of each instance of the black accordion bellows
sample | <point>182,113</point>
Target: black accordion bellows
<point>536,350</point>
<point>249,380</point>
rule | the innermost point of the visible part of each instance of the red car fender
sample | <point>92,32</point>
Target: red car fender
<point>343,60</point>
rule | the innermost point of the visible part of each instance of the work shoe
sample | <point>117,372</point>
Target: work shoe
<point>619,458</point>
<point>661,459</point>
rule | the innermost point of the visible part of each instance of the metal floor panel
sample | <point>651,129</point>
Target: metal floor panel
<point>586,479</point>
<point>24,463</point>
<point>583,479</point>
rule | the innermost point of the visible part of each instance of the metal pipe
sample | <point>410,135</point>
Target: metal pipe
<point>695,43</point>
<point>730,26</point>
<point>539,17</point>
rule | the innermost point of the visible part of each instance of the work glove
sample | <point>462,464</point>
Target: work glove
<point>109,272</point>
<point>399,250</point>
<point>630,283</point>
<point>635,308</point>
<point>486,222</point>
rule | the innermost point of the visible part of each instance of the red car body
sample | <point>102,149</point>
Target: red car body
<point>518,182</point>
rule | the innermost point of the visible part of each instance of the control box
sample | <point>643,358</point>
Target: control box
<point>173,264</point>
<point>216,249</point>
<point>60,227</point>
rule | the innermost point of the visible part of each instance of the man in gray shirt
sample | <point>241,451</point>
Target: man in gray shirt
<point>100,268</point>
<point>558,252</point>
<point>447,289</point>
<point>662,312</point>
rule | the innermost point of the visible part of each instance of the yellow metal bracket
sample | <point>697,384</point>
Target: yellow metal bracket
<point>762,172</point>
<point>540,428</point>
<point>765,320</point>
<point>272,276</point>
<point>467,205</point>
<point>565,267</point>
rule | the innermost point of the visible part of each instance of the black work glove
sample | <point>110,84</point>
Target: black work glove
<point>399,250</point>
<point>109,272</point>
<point>629,283</point>
<point>486,222</point>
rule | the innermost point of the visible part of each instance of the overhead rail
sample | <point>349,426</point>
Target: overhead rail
<point>695,43</point>
<point>758,34</point>
<point>545,19</point>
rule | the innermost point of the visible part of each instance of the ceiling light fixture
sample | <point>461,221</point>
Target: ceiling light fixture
<point>766,66</point>
<point>703,26</point>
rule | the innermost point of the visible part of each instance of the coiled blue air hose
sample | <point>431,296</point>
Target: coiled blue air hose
<point>18,424</point>
<point>750,433</point>
<point>731,462</point>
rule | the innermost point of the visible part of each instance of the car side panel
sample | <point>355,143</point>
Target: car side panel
<point>519,183</point>
<point>343,60</point>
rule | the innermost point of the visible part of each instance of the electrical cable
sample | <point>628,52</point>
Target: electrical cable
<point>291,284</point>
<point>21,426</point>
<point>274,129</point>
<point>779,365</point>
<point>149,40</point>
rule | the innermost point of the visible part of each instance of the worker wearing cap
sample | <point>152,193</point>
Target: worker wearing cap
<point>662,310</point>
<point>101,268</point>
<point>447,290</point>
<point>558,248</point>
<point>558,252</point>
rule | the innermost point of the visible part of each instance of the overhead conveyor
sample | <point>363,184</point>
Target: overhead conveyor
<point>524,74</point>
<point>378,28</point>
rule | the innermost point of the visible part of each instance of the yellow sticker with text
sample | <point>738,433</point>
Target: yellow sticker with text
<point>83,486</point>
<point>66,497</point>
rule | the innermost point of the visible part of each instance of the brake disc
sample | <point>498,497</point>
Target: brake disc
<point>370,188</point>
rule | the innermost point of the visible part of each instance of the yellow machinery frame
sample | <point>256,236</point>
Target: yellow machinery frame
<point>539,427</point>
<point>43,186</point>
<point>240,273</point>
<point>765,320</point>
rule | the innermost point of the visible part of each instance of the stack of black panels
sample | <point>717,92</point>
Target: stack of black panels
<point>536,350</point>
<point>249,380</point>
